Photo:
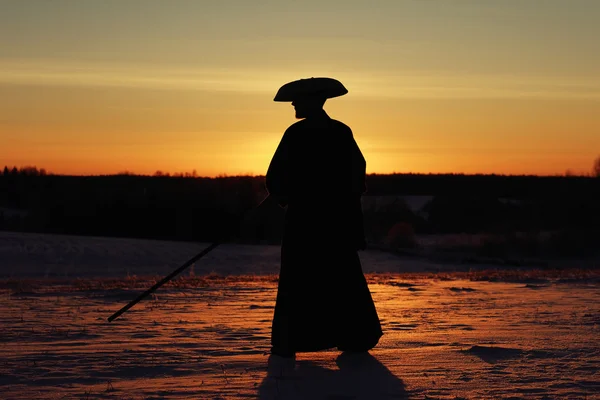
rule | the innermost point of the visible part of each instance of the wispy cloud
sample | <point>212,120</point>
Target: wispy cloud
<point>470,86</point>
<point>61,73</point>
<point>395,85</point>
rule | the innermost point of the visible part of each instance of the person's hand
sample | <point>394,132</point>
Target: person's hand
<point>282,201</point>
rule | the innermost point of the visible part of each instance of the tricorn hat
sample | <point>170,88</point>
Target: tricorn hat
<point>325,87</point>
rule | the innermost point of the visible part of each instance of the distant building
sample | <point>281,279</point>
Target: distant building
<point>416,204</point>
<point>13,212</point>
<point>511,201</point>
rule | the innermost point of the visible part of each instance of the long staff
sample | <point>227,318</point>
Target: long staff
<point>174,273</point>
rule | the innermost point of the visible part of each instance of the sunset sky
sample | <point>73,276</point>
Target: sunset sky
<point>464,86</point>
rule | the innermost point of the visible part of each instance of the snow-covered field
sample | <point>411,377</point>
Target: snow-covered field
<point>447,335</point>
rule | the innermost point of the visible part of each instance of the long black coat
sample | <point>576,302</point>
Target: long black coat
<point>323,300</point>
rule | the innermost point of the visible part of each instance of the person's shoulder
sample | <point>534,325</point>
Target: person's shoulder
<point>292,132</point>
<point>340,126</point>
<point>296,126</point>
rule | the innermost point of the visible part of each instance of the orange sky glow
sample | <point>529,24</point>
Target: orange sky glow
<point>506,87</point>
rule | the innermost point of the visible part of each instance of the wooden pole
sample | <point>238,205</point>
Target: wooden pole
<point>172,274</point>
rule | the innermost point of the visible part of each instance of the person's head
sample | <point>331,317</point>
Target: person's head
<point>307,106</point>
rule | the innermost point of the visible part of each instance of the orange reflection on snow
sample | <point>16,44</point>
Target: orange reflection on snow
<point>206,337</point>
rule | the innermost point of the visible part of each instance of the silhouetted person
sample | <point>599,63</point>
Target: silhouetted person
<point>318,174</point>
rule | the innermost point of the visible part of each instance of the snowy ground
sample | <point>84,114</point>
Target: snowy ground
<point>447,335</point>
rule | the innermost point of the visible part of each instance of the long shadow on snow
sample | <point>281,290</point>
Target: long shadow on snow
<point>359,376</point>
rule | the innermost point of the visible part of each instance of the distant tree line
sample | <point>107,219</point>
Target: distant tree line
<point>23,171</point>
<point>596,168</point>
<point>32,170</point>
<point>127,205</point>
<point>185,207</point>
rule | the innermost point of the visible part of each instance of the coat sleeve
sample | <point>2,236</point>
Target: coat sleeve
<point>277,178</point>
<point>359,168</point>
<point>359,187</point>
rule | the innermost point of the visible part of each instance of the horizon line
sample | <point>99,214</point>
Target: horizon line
<point>23,170</point>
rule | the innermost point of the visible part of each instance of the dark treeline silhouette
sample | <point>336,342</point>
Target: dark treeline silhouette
<point>198,208</point>
<point>497,203</point>
<point>125,205</point>
<point>596,168</point>
<point>518,186</point>
<point>27,171</point>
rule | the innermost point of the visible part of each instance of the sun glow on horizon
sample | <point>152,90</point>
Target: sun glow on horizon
<point>194,91</point>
